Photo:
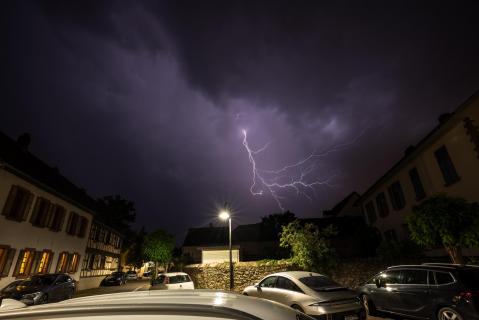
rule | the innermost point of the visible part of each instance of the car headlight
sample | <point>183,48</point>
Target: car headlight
<point>32,296</point>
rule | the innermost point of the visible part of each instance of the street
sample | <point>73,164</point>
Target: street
<point>137,285</point>
<point>132,285</point>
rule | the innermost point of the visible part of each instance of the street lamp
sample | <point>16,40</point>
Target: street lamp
<point>225,215</point>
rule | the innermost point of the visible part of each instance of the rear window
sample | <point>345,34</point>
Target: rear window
<point>470,278</point>
<point>443,278</point>
<point>319,282</point>
<point>179,279</point>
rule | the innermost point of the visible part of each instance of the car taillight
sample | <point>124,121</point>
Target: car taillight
<point>468,295</point>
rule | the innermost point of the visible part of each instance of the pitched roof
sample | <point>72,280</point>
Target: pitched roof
<point>208,236</point>
<point>25,165</point>
<point>340,206</point>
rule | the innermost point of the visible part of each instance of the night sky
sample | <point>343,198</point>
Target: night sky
<point>149,99</point>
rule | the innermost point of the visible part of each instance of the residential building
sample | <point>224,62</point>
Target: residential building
<point>445,161</point>
<point>346,207</point>
<point>208,245</point>
<point>44,218</point>
<point>102,255</point>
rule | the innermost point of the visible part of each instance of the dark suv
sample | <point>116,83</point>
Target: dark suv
<point>427,291</point>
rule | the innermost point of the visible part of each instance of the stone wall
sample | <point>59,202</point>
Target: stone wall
<point>216,276</point>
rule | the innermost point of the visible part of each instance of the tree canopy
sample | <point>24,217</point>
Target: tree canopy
<point>448,221</point>
<point>116,212</point>
<point>158,246</point>
<point>310,247</point>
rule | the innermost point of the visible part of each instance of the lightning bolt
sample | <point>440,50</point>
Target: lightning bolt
<point>292,177</point>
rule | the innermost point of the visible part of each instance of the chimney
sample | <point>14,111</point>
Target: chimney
<point>24,141</point>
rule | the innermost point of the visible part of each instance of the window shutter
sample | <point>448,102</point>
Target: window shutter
<point>36,208</point>
<point>70,219</point>
<point>19,262</point>
<point>61,219</point>
<point>50,215</point>
<point>49,263</point>
<point>9,203</point>
<point>35,262</point>
<point>28,204</point>
<point>8,263</point>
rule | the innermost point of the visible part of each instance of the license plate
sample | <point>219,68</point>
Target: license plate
<point>352,317</point>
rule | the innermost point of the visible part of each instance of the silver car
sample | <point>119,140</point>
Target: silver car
<point>154,305</point>
<point>311,293</point>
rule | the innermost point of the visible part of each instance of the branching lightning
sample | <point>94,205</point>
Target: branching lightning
<point>293,177</point>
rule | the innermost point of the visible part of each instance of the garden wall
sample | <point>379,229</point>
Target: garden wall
<point>216,276</point>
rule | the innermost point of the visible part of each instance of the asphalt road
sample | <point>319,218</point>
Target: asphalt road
<point>137,285</point>
<point>131,285</point>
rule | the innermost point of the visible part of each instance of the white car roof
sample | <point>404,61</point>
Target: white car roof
<point>297,274</point>
<point>156,302</point>
<point>171,274</point>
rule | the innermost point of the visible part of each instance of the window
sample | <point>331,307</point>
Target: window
<point>414,277</point>
<point>396,195</point>
<point>390,235</point>
<point>93,231</point>
<point>447,167</point>
<point>315,282</point>
<point>62,263</point>
<point>417,184</point>
<point>391,277</point>
<point>40,212</point>
<point>18,204</point>
<point>268,282</point>
<point>443,278</point>
<point>24,263</point>
<point>73,260</point>
<point>83,227</point>
<point>382,205</point>
<point>6,258</point>
<point>287,284</point>
<point>57,217</point>
<point>45,261</point>
<point>371,212</point>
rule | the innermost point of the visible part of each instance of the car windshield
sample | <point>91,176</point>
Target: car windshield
<point>116,274</point>
<point>470,278</point>
<point>131,272</point>
<point>320,283</point>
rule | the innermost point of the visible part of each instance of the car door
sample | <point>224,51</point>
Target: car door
<point>266,288</point>
<point>384,297</point>
<point>187,283</point>
<point>59,290</point>
<point>414,297</point>
<point>285,291</point>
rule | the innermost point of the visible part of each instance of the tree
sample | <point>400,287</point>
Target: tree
<point>310,247</point>
<point>116,212</point>
<point>132,249</point>
<point>158,247</point>
<point>447,221</point>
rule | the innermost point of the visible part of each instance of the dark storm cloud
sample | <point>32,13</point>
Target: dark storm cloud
<point>147,99</point>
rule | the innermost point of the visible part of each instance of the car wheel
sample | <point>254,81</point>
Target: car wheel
<point>448,314</point>
<point>368,305</point>
<point>245,294</point>
<point>296,307</point>
<point>43,299</point>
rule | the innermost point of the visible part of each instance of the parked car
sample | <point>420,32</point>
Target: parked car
<point>311,293</point>
<point>427,291</point>
<point>172,280</point>
<point>147,274</point>
<point>172,304</point>
<point>131,275</point>
<point>114,279</point>
<point>40,289</point>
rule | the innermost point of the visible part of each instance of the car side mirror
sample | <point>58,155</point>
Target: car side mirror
<point>256,285</point>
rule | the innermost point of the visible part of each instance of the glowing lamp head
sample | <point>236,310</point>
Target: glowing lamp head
<point>224,215</point>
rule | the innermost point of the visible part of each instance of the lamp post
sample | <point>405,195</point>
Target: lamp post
<point>225,215</point>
